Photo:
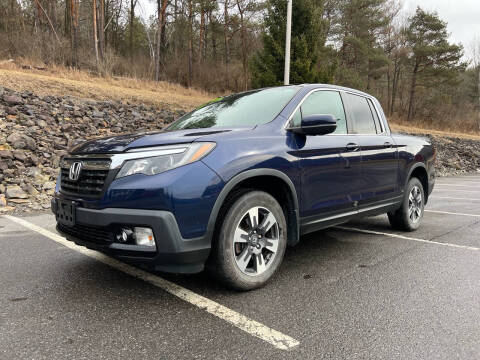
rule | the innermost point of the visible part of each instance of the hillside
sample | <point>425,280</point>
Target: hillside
<point>42,115</point>
<point>60,82</point>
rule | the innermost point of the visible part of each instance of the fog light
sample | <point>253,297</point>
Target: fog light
<point>144,236</point>
<point>125,235</point>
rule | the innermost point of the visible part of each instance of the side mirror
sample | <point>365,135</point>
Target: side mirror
<point>317,124</point>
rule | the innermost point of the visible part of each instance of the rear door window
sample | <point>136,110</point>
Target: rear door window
<point>375,117</point>
<point>362,117</point>
<point>323,103</point>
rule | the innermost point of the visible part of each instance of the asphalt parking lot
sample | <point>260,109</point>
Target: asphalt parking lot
<point>360,291</point>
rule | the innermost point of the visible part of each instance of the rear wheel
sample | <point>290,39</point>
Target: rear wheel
<point>252,240</point>
<point>410,214</point>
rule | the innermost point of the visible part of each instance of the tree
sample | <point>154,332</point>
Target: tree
<point>74,20</point>
<point>101,29</point>
<point>226,39</point>
<point>246,10</point>
<point>308,36</point>
<point>161,18</point>
<point>133,4</point>
<point>357,28</point>
<point>433,59</point>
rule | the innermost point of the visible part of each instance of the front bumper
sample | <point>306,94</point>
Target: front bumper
<point>173,252</point>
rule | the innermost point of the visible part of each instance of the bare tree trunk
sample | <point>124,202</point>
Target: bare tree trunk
<point>159,36</point>
<point>133,3</point>
<point>74,31</point>
<point>201,42</point>
<point>95,40</point>
<point>67,19</point>
<point>101,30</point>
<point>227,46</point>
<point>396,75</point>
<point>161,9</point>
<point>214,37</point>
<point>244,46</point>
<point>412,92</point>
<point>190,43</point>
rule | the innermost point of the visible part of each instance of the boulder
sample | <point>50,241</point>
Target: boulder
<point>12,99</point>
<point>15,192</point>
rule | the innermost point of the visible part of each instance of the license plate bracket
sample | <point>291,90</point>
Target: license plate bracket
<point>65,213</point>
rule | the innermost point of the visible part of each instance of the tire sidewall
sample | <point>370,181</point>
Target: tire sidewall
<point>225,240</point>
<point>408,222</point>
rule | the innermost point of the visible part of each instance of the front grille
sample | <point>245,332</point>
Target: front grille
<point>93,234</point>
<point>91,181</point>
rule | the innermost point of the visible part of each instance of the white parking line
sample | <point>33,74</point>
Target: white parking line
<point>437,189</point>
<point>347,228</point>
<point>451,213</point>
<point>252,327</point>
<point>458,185</point>
<point>452,198</point>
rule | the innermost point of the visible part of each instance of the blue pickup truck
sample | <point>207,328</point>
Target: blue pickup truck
<point>231,184</point>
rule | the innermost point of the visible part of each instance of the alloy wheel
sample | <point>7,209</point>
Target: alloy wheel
<point>415,204</point>
<point>255,242</point>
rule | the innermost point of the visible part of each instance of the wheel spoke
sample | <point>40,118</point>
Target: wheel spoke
<point>417,212</point>
<point>271,245</point>
<point>244,258</point>
<point>240,236</point>
<point>267,223</point>
<point>253,217</point>
<point>260,263</point>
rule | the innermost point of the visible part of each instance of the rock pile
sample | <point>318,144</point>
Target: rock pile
<point>36,131</point>
<point>456,156</point>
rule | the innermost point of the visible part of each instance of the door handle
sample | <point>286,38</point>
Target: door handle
<point>388,145</point>
<point>352,147</point>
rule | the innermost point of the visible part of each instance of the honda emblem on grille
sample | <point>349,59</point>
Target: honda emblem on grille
<point>75,169</point>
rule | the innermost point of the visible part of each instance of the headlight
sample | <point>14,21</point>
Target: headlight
<point>170,159</point>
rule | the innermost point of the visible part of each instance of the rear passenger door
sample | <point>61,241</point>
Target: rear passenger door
<point>379,167</point>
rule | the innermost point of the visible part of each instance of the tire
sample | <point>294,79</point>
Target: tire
<point>251,241</point>
<point>409,216</point>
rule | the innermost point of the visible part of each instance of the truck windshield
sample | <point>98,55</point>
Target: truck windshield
<point>245,109</point>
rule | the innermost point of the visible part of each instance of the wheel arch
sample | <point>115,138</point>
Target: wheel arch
<point>256,179</point>
<point>419,171</point>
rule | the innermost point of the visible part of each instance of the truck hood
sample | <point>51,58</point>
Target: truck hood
<point>122,143</point>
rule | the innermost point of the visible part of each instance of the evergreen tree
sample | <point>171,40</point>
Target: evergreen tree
<point>434,60</point>
<point>308,38</point>
<point>357,28</point>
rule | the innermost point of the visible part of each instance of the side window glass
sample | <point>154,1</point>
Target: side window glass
<point>375,117</point>
<point>327,103</point>
<point>296,119</point>
<point>362,115</point>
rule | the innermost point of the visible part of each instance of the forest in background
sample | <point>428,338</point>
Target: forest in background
<point>221,46</point>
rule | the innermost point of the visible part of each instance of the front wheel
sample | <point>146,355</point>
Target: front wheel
<point>410,214</point>
<point>251,243</point>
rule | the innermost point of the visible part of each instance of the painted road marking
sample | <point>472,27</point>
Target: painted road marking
<point>347,228</point>
<point>252,327</point>
<point>452,198</point>
<point>460,185</point>
<point>469,191</point>
<point>451,213</point>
